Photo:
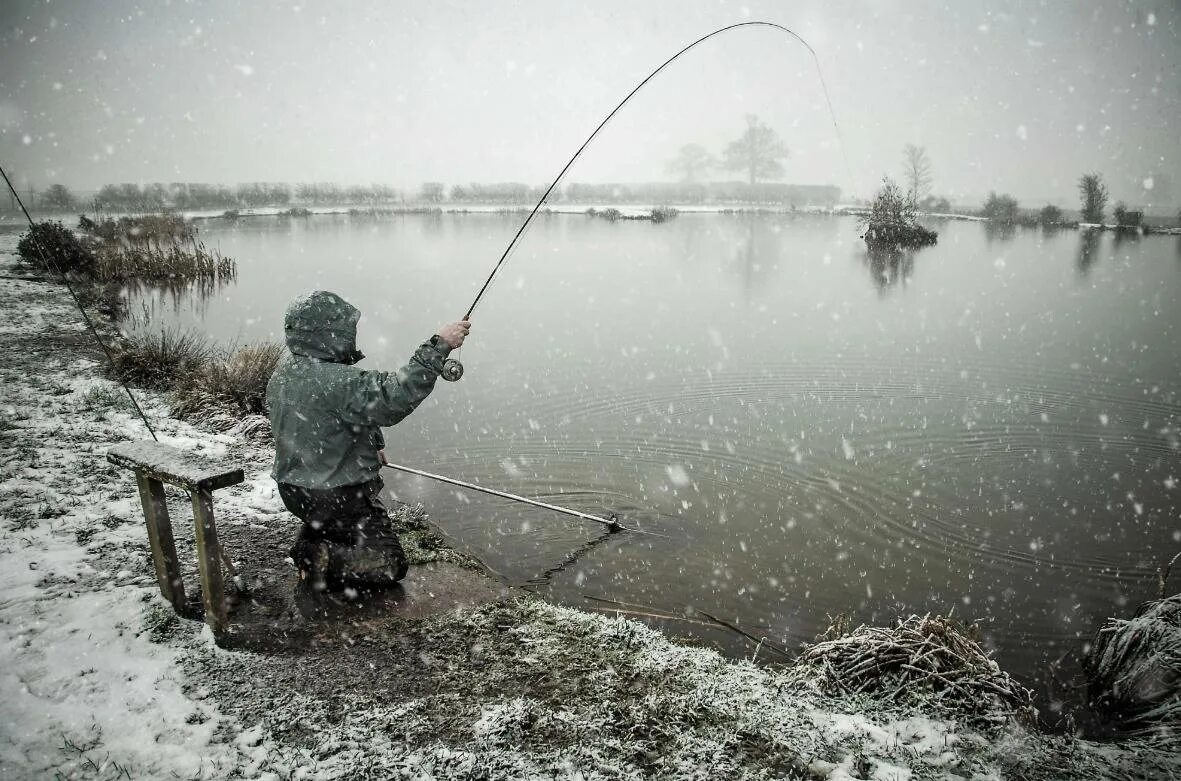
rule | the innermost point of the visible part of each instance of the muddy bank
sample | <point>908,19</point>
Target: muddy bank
<point>101,680</point>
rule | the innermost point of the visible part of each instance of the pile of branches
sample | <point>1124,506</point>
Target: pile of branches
<point>922,654</point>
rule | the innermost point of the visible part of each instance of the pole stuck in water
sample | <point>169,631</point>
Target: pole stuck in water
<point>612,523</point>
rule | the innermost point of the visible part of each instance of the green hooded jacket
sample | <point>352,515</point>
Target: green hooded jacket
<point>326,414</point>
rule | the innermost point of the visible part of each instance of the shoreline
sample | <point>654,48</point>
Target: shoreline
<point>628,211</point>
<point>101,677</point>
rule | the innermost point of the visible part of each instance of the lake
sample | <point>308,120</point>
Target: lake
<point>989,426</point>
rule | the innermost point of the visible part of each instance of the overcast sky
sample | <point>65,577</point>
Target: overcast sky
<point>1019,97</point>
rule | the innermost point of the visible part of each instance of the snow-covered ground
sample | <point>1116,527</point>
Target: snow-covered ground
<point>99,679</point>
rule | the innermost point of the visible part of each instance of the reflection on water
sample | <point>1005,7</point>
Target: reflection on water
<point>1088,250</point>
<point>991,436</point>
<point>1122,236</point>
<point>759,253</point>
<point>160,300</point>
<point>999,231</point>
<point>889,266</point>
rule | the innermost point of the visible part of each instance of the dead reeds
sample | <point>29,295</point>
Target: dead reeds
<point>158,248</point>
<point>161,264</point>
<point>234,381</point>
<point>158,360</point>
<point>159,229</point>
<point>1133,670</point>
<point>225,387</point>
<point>930,655</point>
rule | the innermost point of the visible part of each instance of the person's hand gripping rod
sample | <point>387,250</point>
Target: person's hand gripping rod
<point>454,334</point>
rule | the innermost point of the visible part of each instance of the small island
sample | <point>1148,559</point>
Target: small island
<point>892,221</point>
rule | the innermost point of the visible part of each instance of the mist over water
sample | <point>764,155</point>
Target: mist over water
<point>989,425</point>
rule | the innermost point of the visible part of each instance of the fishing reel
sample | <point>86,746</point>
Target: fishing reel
<point>452,370</point>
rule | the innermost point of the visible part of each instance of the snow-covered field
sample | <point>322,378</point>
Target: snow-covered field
<point>98,678</point>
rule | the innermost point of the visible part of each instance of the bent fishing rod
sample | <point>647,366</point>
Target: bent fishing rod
<point>452,368</point>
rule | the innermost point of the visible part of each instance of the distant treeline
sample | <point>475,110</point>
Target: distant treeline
<point>157,196</point>
<point>185,195</point>
<point>653,192</point>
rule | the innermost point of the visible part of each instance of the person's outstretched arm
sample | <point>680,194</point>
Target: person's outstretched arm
<point>379,398</point>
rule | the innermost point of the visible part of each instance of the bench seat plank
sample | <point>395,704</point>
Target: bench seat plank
<point>174,466</point>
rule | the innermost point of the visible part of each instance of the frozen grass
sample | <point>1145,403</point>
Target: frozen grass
<point>1134,671</point>
<point>225,388</point>
<point>525,689</point>
<point>159,360</point>
<point>235,381</point>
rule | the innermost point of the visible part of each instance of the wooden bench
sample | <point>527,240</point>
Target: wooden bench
<point>155,464</point>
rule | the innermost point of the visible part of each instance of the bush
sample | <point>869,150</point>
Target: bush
<point>610,214</point>
<point>1050,215</point>
<point>891,222</point>
<point>1000,208</point>
<point>664,213</point>
<point>891,206</point>
<point>237,380</point>
<point>160,361</point>
<point>63,252</point>
<point>1125,217</point>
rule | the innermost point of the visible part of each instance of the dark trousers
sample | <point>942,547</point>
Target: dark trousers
<point>347,536</point>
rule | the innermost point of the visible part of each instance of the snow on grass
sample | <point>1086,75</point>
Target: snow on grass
<point>85,690</point>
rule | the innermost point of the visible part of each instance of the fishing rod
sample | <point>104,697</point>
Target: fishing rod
<point>612,522</point>
<point>452,368</point>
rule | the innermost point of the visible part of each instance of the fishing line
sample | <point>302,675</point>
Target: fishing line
<point>557,180</point>
<point>48,261</point>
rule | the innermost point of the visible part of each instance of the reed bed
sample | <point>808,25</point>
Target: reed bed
<point>158,229</point>
<point>159,360</point>
<point>155,263</point>
<point>159,248</point>
<point>931,655</point>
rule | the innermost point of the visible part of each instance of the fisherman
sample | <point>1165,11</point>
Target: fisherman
<point>326,415</point>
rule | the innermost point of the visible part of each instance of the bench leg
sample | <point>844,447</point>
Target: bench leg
<point>209,561</point>
<point>151,496</point>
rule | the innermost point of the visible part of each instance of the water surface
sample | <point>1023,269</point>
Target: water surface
<point>988,426</point>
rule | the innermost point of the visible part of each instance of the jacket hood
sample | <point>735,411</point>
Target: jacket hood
<point>323,325</point>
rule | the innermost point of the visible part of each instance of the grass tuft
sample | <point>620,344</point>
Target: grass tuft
<point>159,360</point>
<point>235,381</point>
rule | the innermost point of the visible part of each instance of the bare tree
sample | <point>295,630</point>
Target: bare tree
<point>757,151</point>
<point>1094,197</point>
<point>692,161</point>
<point>918,171</point>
